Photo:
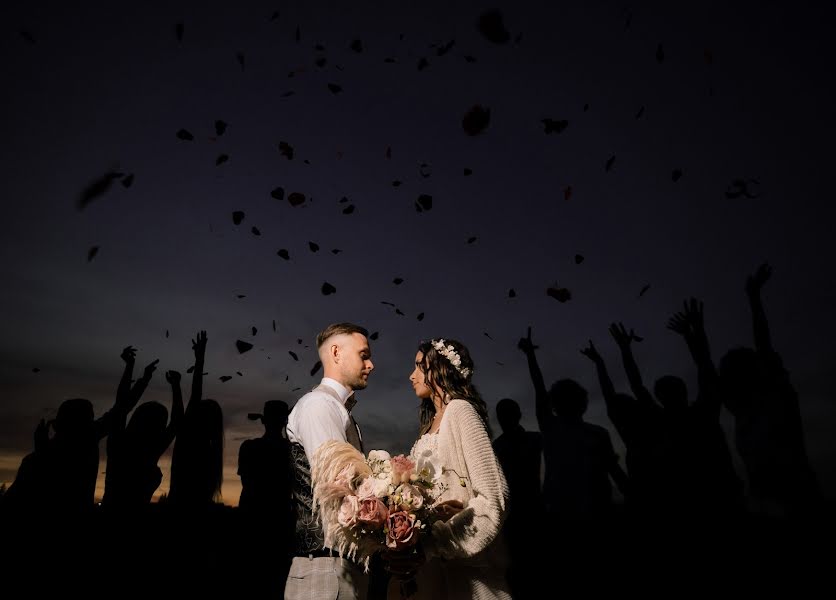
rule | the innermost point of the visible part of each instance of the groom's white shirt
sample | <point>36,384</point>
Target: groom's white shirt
<point>317,417</point>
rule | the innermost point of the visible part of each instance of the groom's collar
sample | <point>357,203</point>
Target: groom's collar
<point>347,397</point>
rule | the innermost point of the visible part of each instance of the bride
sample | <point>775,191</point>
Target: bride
<point>464,557</point>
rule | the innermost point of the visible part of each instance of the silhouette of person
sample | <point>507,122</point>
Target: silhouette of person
<point>579,456</point>
<point>266,501</point>
<point>768,432</point>
<point>60,475</point>
<point>641,434</point>
<point>133,450</point>
<point>695,470</point>
<point>197,459</point>
<point>719,490</point>
<point>263,463</point>
<point>519,453</point>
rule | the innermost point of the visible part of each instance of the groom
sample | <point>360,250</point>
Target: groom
<point>320,415</point>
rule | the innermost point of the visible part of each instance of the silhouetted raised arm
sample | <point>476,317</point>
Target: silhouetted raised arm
<point>623,339</point>
<point>689,323</point>
<point>541,396</point>
<point>123,392</point>
<point>115,419</point>
<point>760,326</point>
<point>199,347</point>
<point>142,383</point>
<point>173,378</point>
<point>607,388</point>
<point>615,408</point>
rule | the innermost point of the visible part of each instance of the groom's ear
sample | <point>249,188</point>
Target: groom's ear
<point>334,353</point>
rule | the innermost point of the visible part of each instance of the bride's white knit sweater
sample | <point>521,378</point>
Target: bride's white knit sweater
<point>468,546</point>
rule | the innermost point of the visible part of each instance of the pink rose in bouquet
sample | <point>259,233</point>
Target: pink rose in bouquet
<point>402,469</point>
<point>374,503</point>
<point>372,512</point>
<point>401,531</point>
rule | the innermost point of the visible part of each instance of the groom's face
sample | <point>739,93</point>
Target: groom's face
<point>355,361</point>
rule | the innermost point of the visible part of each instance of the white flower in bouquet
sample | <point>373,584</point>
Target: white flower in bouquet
<point>380,463</point>
<point>378,455</point>
<point>428,467</point>
<point>373,487</point>
<point>409,497</point>
<point>382,486</point>
<point>370,503</point>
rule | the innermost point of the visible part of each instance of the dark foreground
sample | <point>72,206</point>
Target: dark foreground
<point>224,553</point>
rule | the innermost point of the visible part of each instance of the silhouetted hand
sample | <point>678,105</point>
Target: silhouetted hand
<point>592,353</point>
<point>199,346</point>
<point>150,368</point>
<point>526,344</point>
<point>172,377</point>
<point>694,310</point>
<point>688,321</point>
<point>449,509</point>
<point>678,323</point>
<point>129,355</point>
<point>621,336</point>
<point>755,283</point>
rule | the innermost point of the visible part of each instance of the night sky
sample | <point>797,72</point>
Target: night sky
<point>615,133</point>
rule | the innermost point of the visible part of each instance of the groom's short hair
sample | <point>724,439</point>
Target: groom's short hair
<point>339,329</point>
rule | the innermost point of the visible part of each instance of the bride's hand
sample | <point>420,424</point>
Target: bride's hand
<point>448,509</point>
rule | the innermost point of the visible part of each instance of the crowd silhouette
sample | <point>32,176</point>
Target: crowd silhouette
<point>680,488</point>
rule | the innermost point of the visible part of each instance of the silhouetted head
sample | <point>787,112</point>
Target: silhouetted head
<point>742,378</point>
<point>443,369</point>
<point>74,418</point>
<point>671,392</point>
<point>148,421</point>
<point>508,414</point>
<point>275,413</point>
<point>569,398</point>
<point>275,416</point>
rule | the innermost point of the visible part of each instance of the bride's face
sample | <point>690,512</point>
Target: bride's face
<point>418,379</point>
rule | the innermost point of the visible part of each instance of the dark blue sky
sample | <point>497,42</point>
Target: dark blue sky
<point>741,93</point>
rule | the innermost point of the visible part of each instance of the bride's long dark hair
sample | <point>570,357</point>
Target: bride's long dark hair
<point>440,375</point>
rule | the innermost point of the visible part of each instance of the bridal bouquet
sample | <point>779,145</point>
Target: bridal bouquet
<point>373,503</point>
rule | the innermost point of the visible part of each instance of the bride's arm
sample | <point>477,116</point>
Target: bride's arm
<point>474,528</point>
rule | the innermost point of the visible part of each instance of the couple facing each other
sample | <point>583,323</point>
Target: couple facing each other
<point>464,557</point>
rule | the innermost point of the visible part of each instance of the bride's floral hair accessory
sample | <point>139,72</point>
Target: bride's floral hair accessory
<point>449,352</point>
